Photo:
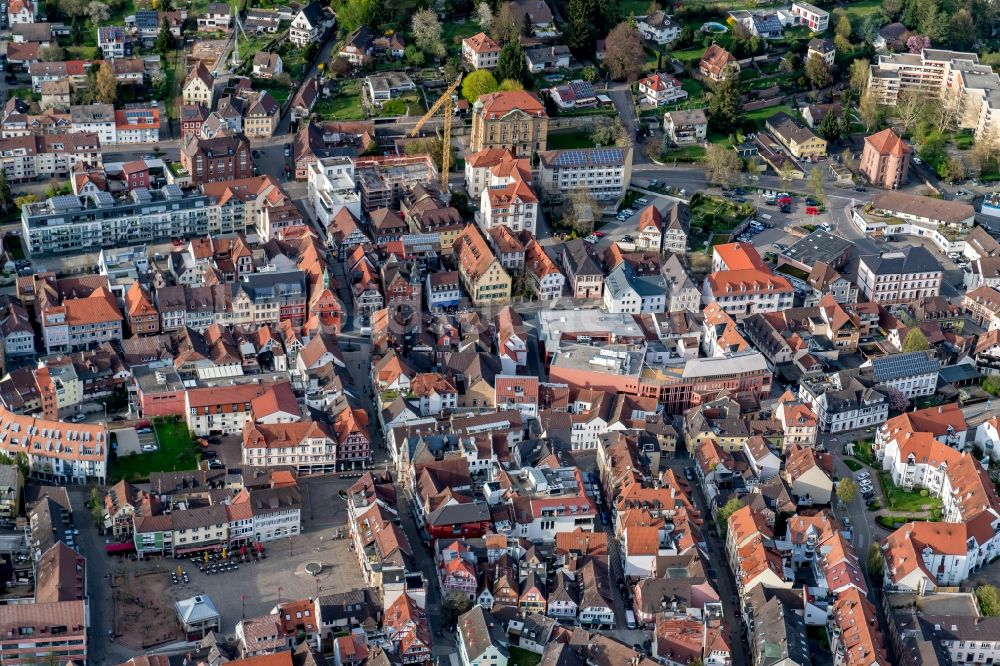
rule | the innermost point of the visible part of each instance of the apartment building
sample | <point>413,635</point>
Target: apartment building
<point>41,157</point>
<point>76,313</point>
<point>660,89</point>
<point>800,141</point>
<point>97,119</point>
<point>885,160</point>
<point>71,223</point>
<point>310,24</point>
<point>218,159</point>
<point>137,124</point>
<point>57,451</point>
<point>900,276</point>
<point>485,281</point>
<point>957,79</point>
<point>514,120</point>
<point>480,51</point>
<point>382,181</point>
<point>582,269</point>
<point>686,127</point>
<point>603,172</point>
<point>816,19</point>
<point>221,409</point>
<point>742,284</point>
<point>508,199</point>
<point>198,86</point>
<point>331,189</point>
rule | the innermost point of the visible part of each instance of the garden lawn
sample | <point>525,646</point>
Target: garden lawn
<point>565,140</point>
<point>521,657</point>
<point>177,450</point>
<point>863,451</point>
<point>715,214</point>
<point>853,465</point>
<point>685,154</point>
<point>345,104</point>
<point>761,115</point>
<point>691,54</point>
<point>859,10</point>
<point>454,33</point>
<point>898,499</point>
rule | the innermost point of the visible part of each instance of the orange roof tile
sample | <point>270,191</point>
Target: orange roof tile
<point>888,142</point>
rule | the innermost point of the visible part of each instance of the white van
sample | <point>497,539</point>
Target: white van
<point>630,619</point>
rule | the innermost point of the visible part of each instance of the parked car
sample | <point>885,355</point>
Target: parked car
<point>208,455</point>
<point>78,418</point>
<point>627,238</point>
<point>600,234</point>
<point>148,448</point>
<point>592,239</point>
<point>643,201</point>
<point>917,160</point>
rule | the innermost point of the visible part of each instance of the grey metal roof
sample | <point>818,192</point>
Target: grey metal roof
<point>818,246</point>
<point>196,609</point>
<point>912,259</point>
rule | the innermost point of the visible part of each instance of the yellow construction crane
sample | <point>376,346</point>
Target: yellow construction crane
<point>445,101</point>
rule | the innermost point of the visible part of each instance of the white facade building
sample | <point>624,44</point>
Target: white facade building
<point>331,188</point>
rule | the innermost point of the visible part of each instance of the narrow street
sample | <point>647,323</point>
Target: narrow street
<point>719,572</point>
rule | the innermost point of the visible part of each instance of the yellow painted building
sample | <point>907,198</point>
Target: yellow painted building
<point>513,120</point>
<point>483,278</point>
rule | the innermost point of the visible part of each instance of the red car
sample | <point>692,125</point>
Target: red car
<point>785,201</point>
<point>812,210</point>
<point>600,234</point>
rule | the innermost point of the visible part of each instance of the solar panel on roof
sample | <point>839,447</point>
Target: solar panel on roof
<point>65,202</point>
<point>104,199</point>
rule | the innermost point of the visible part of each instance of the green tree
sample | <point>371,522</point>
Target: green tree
<point>869,111</point>
<point>414,56</point>
<point>988,597</point>
<point>510,85</point>
<point>580,26</point>
<point>107,83</point>
<point>352,14</point>
<point>426,29</point>
<point>829,127</point>
<point>847,490</point>
<point>915,341</point>
<point>844,27</point>
<point>624,55</point>
<point>6,199</point>
<point>610,131</point>
<point>954,169</point>
<point>20,459</point>
<point>454,605</point>
<point>875,563</point>
<point>728,509</point>
<point>478,83</point>
<point>164,39</point>
<point>933,21</point>
<point>52,53</point>
<point>816,184</point>
<point>818,70</point>
<point>962,30</point>
<point>96,506</point>
<point>510,63</point>
<point>722,165</point>
<point>861,70</point>
<point>725,109</point>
